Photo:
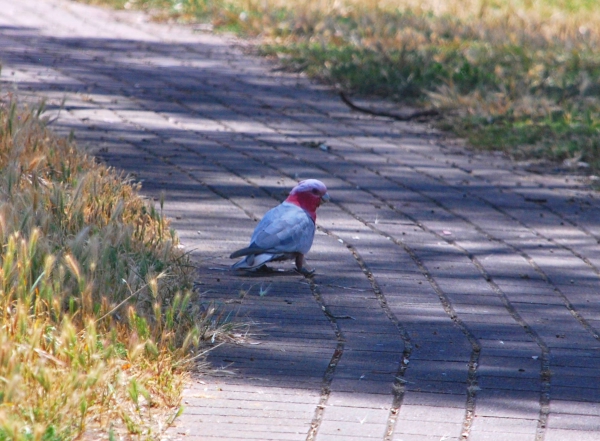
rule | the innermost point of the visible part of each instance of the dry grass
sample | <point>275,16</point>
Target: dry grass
<point>518,75</point>
<point>97,315</point>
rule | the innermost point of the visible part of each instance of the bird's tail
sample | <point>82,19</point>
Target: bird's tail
<point>254,261</point>
<point>243,252</point>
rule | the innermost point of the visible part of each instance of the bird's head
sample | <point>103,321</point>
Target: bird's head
<point>309,195</point>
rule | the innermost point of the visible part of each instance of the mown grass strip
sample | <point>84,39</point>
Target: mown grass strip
<point>98,318</point>
<point>522,76</point>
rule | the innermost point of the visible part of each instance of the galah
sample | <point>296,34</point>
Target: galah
<point>285,232</point>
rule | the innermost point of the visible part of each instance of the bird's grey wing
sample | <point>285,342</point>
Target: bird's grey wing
<point>286,228</point>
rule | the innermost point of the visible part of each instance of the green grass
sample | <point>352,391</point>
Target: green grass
<point>97,316</point>
<point>521,76</point>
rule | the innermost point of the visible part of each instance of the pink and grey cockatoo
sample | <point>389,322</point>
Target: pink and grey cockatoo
<point>286,231</point>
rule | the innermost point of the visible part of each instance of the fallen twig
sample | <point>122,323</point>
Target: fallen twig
<point>410,117</point>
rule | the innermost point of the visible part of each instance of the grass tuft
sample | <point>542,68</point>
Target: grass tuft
<point>97,316</point>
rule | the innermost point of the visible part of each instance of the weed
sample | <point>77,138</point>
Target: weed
<point>97,315</point>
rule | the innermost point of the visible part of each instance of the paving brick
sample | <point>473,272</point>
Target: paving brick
<point>507,404</point>
<point>589,394</point>
<point>438,428</point>
<point>574,407</point>
<point>360,415</point>
<point>207,431</point>
<point>414,437</point>
<point>508,383</point>
<point>585,423</point>
<point>494,425</point>
<point>431,413</point>
<point>498,435</point>
<point>360,400</point>
<point>435,399</point>
<point>336,437</point>
<point>364,430</point>
<point>570,435</point>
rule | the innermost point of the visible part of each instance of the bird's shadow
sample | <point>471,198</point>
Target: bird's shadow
<point>266,271</point>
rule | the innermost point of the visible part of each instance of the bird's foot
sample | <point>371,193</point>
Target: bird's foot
<point>305,272</point>
<point>300,266</point>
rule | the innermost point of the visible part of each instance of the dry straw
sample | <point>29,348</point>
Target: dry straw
<point>97,318</point>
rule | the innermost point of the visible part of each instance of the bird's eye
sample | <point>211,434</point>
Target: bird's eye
<point>315,191</point>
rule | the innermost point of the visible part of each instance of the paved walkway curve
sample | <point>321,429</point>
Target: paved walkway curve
<point>456,297</point>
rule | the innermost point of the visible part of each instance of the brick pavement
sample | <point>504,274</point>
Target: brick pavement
<point>456,295</point>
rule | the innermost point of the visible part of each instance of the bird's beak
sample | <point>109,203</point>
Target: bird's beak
<point>325,198</point>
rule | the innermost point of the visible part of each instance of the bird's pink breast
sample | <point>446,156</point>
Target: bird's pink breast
<point>306,201</point>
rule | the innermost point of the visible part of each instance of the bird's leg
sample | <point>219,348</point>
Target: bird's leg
<point>300,266</point>
<point>299,261</point>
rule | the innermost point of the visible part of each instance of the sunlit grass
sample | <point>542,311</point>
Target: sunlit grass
<point>518,75</point>
<point>97,315</point>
